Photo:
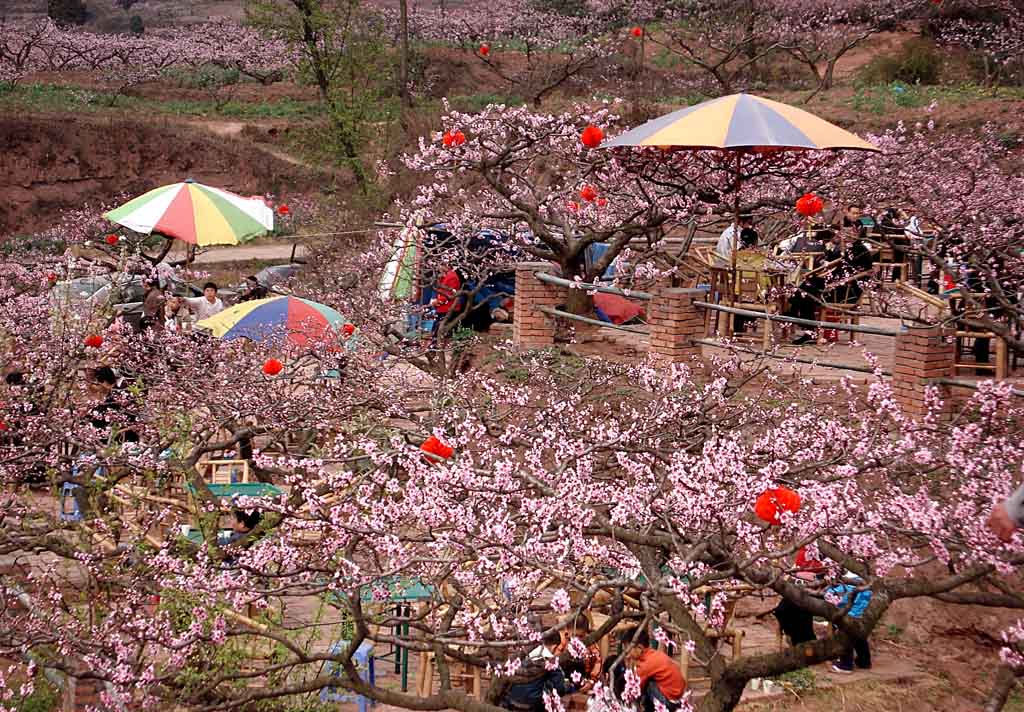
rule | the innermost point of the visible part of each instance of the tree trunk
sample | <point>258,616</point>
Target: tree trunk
<point>403,69</point>
<point>722,697</point>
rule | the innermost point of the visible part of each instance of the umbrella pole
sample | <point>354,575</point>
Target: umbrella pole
<point>733,277</point>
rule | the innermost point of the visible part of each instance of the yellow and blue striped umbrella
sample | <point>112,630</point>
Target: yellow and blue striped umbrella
<point>741,122</point>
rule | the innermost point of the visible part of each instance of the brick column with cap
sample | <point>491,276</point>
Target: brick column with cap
<point>675,323</point>
<point>532,329</point>
<point>920,356</point>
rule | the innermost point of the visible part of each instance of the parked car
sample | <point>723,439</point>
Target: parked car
<point>276,277</point>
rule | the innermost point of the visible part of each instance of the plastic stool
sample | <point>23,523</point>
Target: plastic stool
<point>364,662</point>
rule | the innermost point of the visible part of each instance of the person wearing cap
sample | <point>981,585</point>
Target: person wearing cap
<point>860,651</point>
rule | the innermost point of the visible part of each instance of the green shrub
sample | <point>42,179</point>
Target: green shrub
<point>917,62</point>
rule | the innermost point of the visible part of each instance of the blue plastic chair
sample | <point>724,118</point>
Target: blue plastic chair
<point>67,493</point>
<point>363,660</point>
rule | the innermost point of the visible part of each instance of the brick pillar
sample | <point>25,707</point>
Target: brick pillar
<point>532,329</point>
<point>920,355</point>
<point>675,323</point>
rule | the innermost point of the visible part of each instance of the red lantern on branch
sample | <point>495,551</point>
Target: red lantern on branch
<point>435,447</point>
<point>484,50</point>
<point>272,367</point>
<point>93,341</point>
<point>638,32</point>
<point>809,204</point>
<point>456,138</point>
<point>51,277</point>
<point>588,193</point>
<point>348,330</point>
<point>774,501</point>
<point>592,136</point>
<point>111,240</point>
<point>283,210</point>
<point>601,202</point>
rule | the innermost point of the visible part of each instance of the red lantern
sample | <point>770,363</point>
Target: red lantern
<point>572,206</point>
<point>453,139</point>
<point>588,193</point>
<point>111,239</point>
<point>809,204</point>
<point>638,32</point>
<point>51,277</point>
<point>3,426</point>
<point>348,330</point>
<point>601,202</point>
<point>283,210</point>
<point>484,50</point>
<point>592,136</point>
<point>435,447</point>
<point>93,341</point>
<point>272,367</point>
<point>774,501</point>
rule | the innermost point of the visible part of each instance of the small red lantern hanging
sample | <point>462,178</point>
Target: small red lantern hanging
<point>588,193</point>
<point>51,277</point>
<point>809,204</point>
<point>774,501</point>
<point>434,446</point>
<point>456,138</point>
<point>93,341</point>
<point>348,330</point>
<point>111,239</point>
<point>601,202</point>
<point>592,136</point>
<point>638,32</point>
<point>283,210</point>
<point>484,50</point>
<point>572,206</point>
<point>272,367</point>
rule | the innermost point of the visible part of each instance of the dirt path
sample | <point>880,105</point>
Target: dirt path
<point>266,253</point>
<point>881,44</point>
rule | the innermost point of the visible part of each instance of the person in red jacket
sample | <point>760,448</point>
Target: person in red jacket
<point>447,296</point>
<point>660,678</point>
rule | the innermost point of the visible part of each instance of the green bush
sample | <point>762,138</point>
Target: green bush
<point>917,62</point>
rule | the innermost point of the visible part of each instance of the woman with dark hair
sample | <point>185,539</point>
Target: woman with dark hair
<point>153,306</point>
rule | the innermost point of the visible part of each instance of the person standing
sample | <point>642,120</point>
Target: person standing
<point>153,316</point>
<point>860,650</point>
<point>207,305</point>
<point>446,297</point>
<point>727,242</point>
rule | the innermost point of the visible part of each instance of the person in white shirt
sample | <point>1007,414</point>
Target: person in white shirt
<point>207,305</point>
<point>727,242</point>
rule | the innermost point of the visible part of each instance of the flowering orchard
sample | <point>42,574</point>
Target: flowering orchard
<point>125,61</point>
<point>632,491</point>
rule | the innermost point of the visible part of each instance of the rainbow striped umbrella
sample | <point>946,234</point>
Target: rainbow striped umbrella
<point>737,122</point>
<point>197,214</point>
<point>299,320</point>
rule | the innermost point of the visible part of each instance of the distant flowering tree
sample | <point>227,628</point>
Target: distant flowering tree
<point>992,28</point>
<point>819,34</point>
<point>531,47</point>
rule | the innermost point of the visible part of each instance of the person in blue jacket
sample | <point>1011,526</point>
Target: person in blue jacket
<point>860,650</point>
<point>529,696</point>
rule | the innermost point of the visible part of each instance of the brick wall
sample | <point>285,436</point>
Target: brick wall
<point>675,323</point>
<point>920,355</point>
<point>531,329</point>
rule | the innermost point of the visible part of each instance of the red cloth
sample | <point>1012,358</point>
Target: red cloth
<point>618,309</point>
<point>446,291</point>
<point>656,664</point>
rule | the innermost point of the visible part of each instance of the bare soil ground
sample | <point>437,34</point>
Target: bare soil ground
<point>47,166</point>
